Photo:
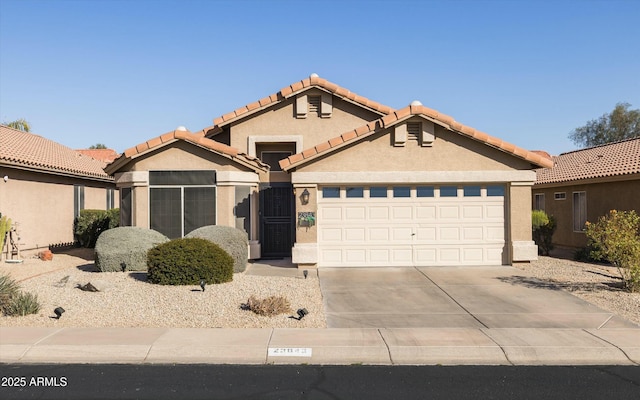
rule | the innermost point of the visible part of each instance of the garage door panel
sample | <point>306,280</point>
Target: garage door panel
<point>427,234</point>
<point>331,234</point>
<point>494,211</point>
<point>402,256</point>
<point>379,213</point>
<point>411,231</point>
<point>449,233</point>
<point>354,235</point>
<point>449,212</point>
<point>425,213</point>
<point>331,213</point>
<point>379,257</point>
<point>401,235</point>
<point>473,233</point>
<point>448,255</point>
<point>495,233</point>
<point>473,212</point>
<point>378,234</point>
<point>403,212</point>
<point>355,213</point>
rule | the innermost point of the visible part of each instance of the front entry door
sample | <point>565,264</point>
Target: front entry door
<point>276,220</point>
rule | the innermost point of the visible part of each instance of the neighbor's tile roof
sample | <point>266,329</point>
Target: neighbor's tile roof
<point>197,139</point>
<point>295,88</point>
<point>614,159</point>
<point>26,150</point>
<point>104,155</point>
<point>399,116</point>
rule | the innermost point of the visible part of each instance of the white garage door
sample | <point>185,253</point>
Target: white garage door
<point>411,226</point>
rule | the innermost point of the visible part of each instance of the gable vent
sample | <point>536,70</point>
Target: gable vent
<point>413,130</point>
<point>314,104</point>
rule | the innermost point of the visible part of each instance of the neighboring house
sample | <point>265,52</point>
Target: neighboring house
<point>44,185</point>
<point>331,178</point>
<point>105,155</point>
<point>586,184</point>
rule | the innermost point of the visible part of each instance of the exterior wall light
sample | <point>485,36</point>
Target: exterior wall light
<point>304,197</point>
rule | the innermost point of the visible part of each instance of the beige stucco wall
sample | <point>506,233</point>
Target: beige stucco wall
<point>602,197</point>
<point>42,205</point>
<point>450,152</point>
<point>184,156</point>
<point>281,120</point>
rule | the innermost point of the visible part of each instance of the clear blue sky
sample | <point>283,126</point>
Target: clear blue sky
<point>122,72</point>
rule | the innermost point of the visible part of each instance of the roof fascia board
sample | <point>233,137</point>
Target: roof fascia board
<point>56,172</point>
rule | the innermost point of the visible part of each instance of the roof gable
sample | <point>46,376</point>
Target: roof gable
<point>613,159</point>
<point>399,116</point>
<point>27,150</point>
<point>197,139</point>
<point>314,81</point>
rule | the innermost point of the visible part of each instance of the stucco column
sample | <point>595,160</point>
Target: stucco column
<point>305,249</point>
<point>523,248</point>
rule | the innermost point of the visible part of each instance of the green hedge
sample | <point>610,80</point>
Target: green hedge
<point>187,261</point>
<point>232,240</point>
<point>128,245</point>
<point>91,223</point>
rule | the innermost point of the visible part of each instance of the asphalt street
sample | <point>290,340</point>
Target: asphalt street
<point>108,381</point>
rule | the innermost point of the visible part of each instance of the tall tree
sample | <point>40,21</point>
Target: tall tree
<point>19,124</point>
<point>98,146</point>
<point>622,123</point>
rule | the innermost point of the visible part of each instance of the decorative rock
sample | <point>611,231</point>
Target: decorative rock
<point>45,255</point>
<point>88,287</point>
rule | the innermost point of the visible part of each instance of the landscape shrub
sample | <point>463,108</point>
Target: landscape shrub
<point>8,289</point>
<point>13,301</point>
<point>272,305</point>
<point>22,304</point>
<point>543,226</point>
<point>232,240</point>
<point>616,238</point>
<point>125,245</point>
<point>91,223</point>
<point>187,261</point>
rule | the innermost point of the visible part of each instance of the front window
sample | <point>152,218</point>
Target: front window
<point>181,201</point>
<point>539,201</point>
<point>579,211</point>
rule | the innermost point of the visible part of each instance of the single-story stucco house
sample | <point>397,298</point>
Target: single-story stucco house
<point>586,184</point>
<point>44,185</point>
<point>333,179</point>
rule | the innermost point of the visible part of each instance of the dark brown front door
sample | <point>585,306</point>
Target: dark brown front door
<point>276,220</point>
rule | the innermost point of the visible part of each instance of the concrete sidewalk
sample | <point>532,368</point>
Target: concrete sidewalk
<point>390,346</point>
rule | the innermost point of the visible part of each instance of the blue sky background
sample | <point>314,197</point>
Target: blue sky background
<point>122,72</point>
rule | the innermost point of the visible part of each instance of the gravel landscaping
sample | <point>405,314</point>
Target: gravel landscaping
<point>129,301</point>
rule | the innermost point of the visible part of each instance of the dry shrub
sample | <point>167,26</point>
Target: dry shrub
<point>272,305</point>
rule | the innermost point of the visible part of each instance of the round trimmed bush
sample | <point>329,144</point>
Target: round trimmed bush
<point>126,245</point>
<point>187,261</point>
<point>232,240</point>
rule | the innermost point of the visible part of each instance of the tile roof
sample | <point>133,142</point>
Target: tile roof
<point>197,139</point>
<point>403,114</point>
<point>104,155</point>
<point>613,159</point>
<point>26,150</point>
<point>295,88</point>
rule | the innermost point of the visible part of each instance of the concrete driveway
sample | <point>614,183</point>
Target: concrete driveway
<point>453,297</point>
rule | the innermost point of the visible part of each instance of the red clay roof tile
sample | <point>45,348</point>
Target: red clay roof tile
<point>28,150</point>
<point>399,115</point>
<point>613,159</point>
<point>197,139</point>
<point>309,152</point>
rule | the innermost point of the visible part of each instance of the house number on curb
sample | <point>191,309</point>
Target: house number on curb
<point>290,352</point>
